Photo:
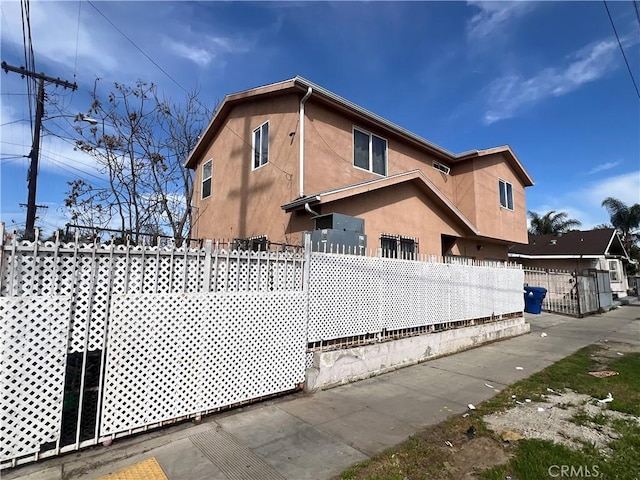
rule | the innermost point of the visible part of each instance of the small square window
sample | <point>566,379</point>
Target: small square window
<point>506,194</point>
<point>207,174</point>
<point>261,145</point>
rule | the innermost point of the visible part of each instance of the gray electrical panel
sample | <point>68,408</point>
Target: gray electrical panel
<point>339,233</point>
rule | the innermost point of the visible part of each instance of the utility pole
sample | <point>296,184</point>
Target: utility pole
<point>35,150</point>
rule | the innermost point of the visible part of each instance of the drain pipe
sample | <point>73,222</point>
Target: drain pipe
<point>304,99</point>
<point>308,209</point>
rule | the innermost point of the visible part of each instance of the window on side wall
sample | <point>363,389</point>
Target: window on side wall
<point>261,145</point>
<point>369,152</point>
<point>613,271</point>
<point>207,174</point>
<point>506,194</point>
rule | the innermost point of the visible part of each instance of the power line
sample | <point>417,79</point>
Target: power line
<point>143,52</point>
<point>621,49</point>
<point>636,7</point>
<point>13,121</point>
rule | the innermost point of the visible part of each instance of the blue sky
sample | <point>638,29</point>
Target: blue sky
<point>546,78</point>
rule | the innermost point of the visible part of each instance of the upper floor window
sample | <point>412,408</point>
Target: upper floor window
<point>261,145</point>
<point>506,194</point>
<point>207,173</point>
<point>369,152</point>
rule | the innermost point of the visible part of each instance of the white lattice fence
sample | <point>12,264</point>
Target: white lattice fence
<point>88,276</point>
<point>354,295</point>
<point>33,352</point>
<point>177,355</point>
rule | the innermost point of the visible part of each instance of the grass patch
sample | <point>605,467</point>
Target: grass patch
<point>573,373</point>
<point>424,456</point>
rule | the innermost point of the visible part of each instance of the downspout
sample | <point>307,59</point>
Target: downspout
<point>304,99</point>
<point>308,209</point>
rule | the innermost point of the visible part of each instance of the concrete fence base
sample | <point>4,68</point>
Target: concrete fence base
<point>337,367</point>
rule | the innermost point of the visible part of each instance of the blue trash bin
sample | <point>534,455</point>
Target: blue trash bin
<point>533,297</point>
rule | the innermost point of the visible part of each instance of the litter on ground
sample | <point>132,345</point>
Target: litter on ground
<point>604,373</point>
<point>608,399</point>
<point>540,409</point>
<point>519,368</point>
<point>543,334</point>
<point>471,406</point>
<point>448,444</point>
<point>488,386</point>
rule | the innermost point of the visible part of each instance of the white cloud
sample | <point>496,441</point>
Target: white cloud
<point>202,52</point>
<point>511,94</point>
<point>198,55</point>
<point>585,203</point>
<point>602,167</point>
<point>493,16</point>
<point>59,37</point>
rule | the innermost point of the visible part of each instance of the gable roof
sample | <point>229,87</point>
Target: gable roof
<point>301,86</point>
<point>574,244</point>
<point>414,176</point>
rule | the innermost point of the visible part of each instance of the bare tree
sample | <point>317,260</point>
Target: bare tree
<point>140,144</point>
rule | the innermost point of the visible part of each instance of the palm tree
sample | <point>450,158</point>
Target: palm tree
<point>626,219</point>
<point>551,222</point>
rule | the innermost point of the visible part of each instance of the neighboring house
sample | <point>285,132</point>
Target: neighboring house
<point>577,251</point>
<point>274,157</point>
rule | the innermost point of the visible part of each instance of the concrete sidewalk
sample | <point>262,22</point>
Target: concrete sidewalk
<point>318,436</point>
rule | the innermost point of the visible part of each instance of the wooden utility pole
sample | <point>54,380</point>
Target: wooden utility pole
<point>35,149</point>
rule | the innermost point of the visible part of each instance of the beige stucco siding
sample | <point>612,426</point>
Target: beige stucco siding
<point>477,195</point>
<point>402,210</point>
<point>246,202</point>
<point>329,153</point>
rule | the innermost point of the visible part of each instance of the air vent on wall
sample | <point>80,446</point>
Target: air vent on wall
<point>443,168</point>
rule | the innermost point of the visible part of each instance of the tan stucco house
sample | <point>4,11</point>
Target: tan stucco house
<point>274,157</point>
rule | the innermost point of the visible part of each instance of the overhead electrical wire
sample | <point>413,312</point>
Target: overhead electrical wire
<point>635,85</point>
<point>636,7</point>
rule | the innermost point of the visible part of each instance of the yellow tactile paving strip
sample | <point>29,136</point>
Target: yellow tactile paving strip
<point>148,470</point>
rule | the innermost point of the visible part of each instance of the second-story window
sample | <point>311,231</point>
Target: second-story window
<point>207,173</point>
<point>261,145</point>
<point>369,152</point>
<point>506,194</point>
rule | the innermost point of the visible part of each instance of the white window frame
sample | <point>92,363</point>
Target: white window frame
<point>261,162</point>
<point>502,183</point>
<point>442,167</point>
<point>371,135</point>
<point>613,272</point>
<point>209,179</point>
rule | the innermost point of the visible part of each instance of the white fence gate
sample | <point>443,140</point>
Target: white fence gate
<point>101,341</point>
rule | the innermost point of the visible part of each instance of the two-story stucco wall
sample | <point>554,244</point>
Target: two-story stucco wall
<point>477,195</point>
<point>329,152</point>
<point>246,202</point>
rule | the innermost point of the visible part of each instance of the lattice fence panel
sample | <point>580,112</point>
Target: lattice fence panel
<point>343,296</point>
<point>34,343</point>
<point>354,295</point>
<point>176,355</point>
